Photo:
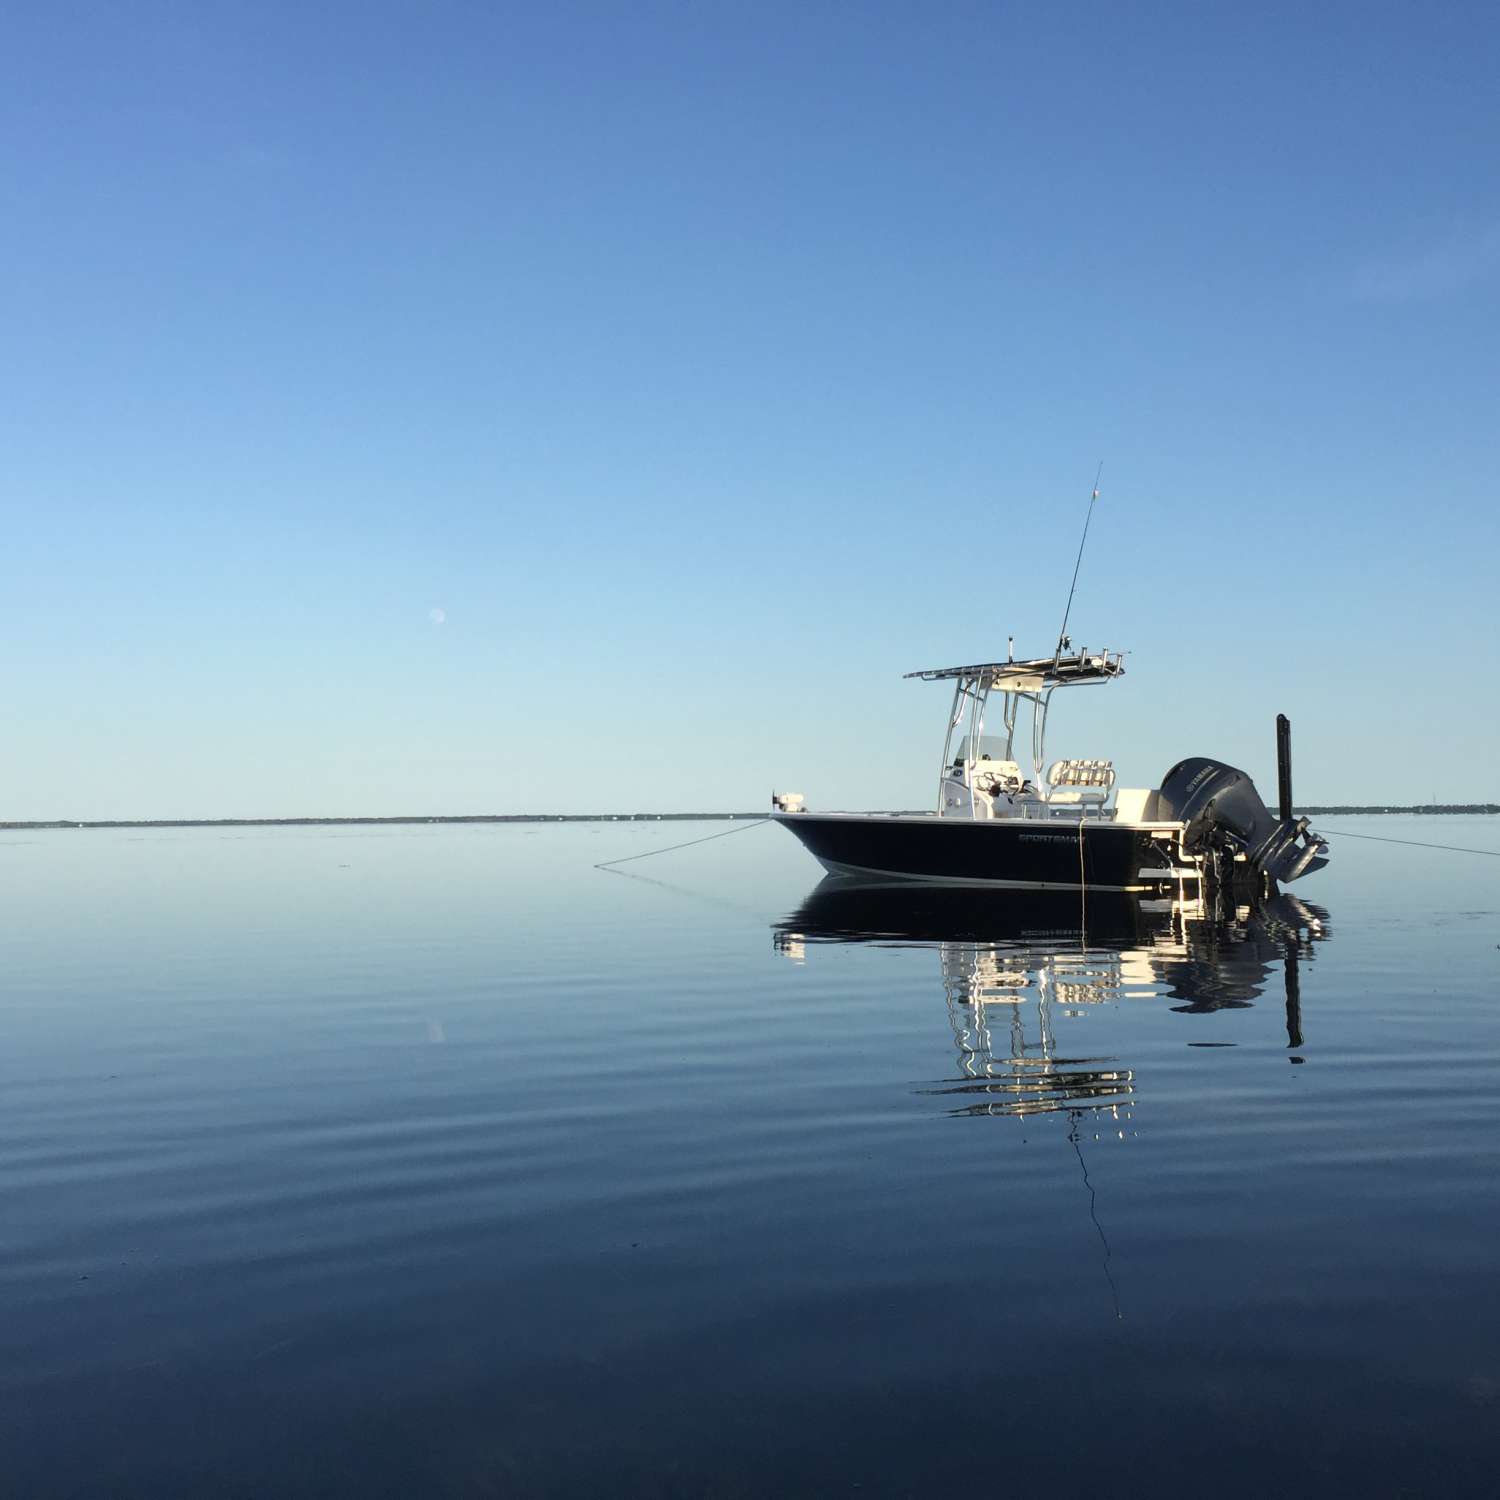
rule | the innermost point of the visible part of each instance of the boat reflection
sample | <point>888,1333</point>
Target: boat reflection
<point>1017,966</point>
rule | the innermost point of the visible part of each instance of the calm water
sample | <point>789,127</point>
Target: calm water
<point>433,1161</point>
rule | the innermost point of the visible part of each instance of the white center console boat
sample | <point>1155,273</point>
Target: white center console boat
<point>1063,825</point>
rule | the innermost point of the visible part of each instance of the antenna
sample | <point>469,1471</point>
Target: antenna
<point>1062,635</point>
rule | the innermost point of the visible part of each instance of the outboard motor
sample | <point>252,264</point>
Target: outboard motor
<point>1223,812</point>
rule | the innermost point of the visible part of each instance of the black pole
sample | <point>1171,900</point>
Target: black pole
<point>1284,765</point>
<point>1293,982</point>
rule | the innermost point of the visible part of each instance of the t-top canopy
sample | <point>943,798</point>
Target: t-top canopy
<point>1034,675</point>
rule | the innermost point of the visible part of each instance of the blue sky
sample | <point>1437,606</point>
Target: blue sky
<point>705,367</point>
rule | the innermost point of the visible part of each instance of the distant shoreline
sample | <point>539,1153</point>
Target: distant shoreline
<point>1425,810</point>
<point>704,817</point>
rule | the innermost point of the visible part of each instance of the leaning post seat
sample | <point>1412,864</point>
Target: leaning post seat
<point>1081,783</point>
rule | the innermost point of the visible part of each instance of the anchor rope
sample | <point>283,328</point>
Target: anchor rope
<point>610,863</point>
<point>1336,832</point>
<point>1376,838</point>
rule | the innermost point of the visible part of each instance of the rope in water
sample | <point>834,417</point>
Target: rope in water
<point>610,863</point>
<point>1336,832</point>
<point>1376,838</point>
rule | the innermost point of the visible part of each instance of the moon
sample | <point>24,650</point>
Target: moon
<point>437,616</point>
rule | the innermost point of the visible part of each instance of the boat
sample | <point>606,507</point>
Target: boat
<point>1063,825</point>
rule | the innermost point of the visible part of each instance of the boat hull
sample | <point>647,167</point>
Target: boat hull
<point>1058,854</point>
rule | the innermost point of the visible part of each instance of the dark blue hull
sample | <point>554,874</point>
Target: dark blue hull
<point>1003,852</point>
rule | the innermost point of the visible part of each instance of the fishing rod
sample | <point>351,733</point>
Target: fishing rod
<point>1062,635</point>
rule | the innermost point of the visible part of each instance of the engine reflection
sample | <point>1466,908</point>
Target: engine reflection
<point>1018,966</point>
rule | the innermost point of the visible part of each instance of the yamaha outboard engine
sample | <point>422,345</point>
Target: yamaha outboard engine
<point>1224,815</point>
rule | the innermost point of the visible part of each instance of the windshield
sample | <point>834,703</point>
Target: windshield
<point>991,747</point>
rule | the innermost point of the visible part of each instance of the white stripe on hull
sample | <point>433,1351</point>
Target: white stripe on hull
<point>1012,885</point>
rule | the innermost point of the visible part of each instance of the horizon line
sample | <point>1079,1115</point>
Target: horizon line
<point>315,820</point>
